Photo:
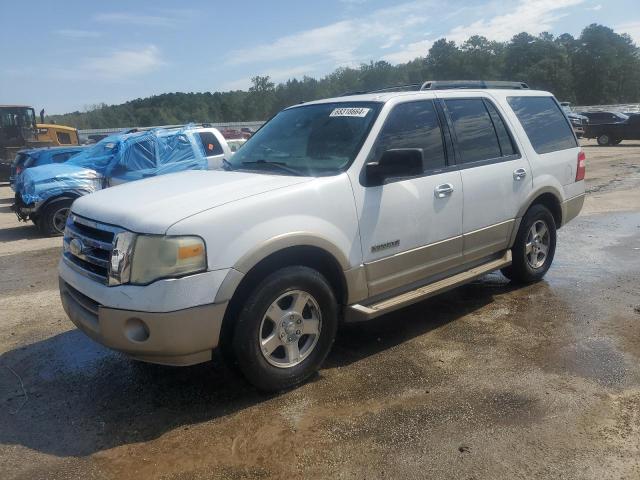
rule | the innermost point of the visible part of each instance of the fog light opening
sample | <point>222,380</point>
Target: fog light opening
<point>136,330</point>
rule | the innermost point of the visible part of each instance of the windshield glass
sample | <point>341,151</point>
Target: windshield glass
<point>315,140</point>
<point>18,117</point>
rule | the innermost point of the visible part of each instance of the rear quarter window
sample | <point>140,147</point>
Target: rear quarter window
<point>544,123</point>
<point>210,144</point>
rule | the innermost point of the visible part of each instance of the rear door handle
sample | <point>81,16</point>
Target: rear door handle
<point>519,174</point>
<point>443,190</point>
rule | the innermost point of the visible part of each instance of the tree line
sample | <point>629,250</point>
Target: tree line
<point>599,67</point>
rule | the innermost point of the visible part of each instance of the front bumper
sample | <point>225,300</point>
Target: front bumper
<point>183,337</point>
<point>22,210</point>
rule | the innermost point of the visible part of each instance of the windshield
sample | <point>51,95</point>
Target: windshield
<point>314,140</point>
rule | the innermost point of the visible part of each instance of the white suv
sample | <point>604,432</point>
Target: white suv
<point>335,210</point>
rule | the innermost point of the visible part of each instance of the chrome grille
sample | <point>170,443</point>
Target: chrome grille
<point>88,246</point>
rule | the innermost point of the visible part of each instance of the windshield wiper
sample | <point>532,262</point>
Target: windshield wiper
<point>279,165</point>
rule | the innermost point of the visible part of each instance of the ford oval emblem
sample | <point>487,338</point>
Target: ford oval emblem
<point>76,246</point>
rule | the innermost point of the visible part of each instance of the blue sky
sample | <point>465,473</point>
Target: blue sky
<point>70,55</point>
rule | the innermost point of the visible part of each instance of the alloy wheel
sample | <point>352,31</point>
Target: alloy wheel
<point>537,244</point>
<point>290,329</point>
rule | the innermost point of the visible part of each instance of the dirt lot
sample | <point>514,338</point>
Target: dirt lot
<point>487,381</point>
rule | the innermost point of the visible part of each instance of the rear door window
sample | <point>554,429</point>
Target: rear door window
<point>504,139</point>
<point>414,125</point>
<point>476,137</point>
<point>544,123</point>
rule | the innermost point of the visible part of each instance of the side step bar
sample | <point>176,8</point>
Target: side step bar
<point>358,313</point>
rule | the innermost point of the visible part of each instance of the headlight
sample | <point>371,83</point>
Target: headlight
<point>156,257</point>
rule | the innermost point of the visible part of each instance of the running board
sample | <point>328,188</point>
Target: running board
<point>358,313</point>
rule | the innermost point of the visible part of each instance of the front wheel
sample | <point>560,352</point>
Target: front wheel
<point>286,328</point>
<point>51,222</point>
<point>534,247</point>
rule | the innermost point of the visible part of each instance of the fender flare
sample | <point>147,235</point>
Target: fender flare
<point>533,196</point>
<point>275,244</point>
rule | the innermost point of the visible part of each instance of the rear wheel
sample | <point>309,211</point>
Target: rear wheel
<point>51,222</point>
<point>604,139</point>
<point>286,328</point>
<point>534,247</point>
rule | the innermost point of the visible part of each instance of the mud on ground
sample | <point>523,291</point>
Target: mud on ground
<point>487,381</point>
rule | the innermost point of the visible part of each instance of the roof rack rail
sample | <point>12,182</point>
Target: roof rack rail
<point>399,88</point>
<point>471,84</point>
<point>395,88</point>
<point>445,85</point>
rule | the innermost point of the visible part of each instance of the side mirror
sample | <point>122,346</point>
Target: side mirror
<point>394,163</point>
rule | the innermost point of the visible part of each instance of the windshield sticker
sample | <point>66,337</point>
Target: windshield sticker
<point>350,112</point>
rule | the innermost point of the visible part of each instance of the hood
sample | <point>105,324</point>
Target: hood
<point>40,183</point>
<point>154,204</point>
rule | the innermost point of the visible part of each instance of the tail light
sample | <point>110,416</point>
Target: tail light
<point>582,168</point>
<point>18,170</point>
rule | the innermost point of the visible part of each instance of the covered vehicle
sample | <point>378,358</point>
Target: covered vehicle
<point>35,157</point>
<point>578,121</point>
<point>44,194</point>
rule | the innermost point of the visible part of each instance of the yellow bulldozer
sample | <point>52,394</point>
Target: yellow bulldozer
<point>19,129</point>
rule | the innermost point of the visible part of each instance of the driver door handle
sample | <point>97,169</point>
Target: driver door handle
<point>519,174</point>
<point>443,190</point>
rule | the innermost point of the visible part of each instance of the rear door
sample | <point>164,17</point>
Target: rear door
<point>496,177</point>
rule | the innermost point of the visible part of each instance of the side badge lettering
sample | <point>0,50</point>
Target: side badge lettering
<point>384,246</point>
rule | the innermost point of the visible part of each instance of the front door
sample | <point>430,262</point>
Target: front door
<point>495,176</point>
<point>411,228</point>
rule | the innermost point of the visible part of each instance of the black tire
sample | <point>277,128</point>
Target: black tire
<point>521,269</point>
<point>249,329</point>
<point>617,141</point>
<point>51,220</point>
<point>604,139</point>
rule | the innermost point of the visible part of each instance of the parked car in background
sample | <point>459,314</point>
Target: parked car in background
<point>598,118</point>
<point>36,157</point>
<point>578,121</point>
<point>236,143</point>
<point>614,133</point>
<point>232,133</point>
<point>341,209</point>
<point>45,193</point>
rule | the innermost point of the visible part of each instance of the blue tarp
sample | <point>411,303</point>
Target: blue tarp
<point>39,183</point>
<point>125,156</point>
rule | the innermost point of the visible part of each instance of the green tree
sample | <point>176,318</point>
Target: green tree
<point>600,66</point>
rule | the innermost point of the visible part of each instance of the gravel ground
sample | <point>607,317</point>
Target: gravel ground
<point>487,381</point>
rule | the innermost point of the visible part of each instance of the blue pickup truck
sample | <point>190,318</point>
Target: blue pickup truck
<point>36,157</point>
